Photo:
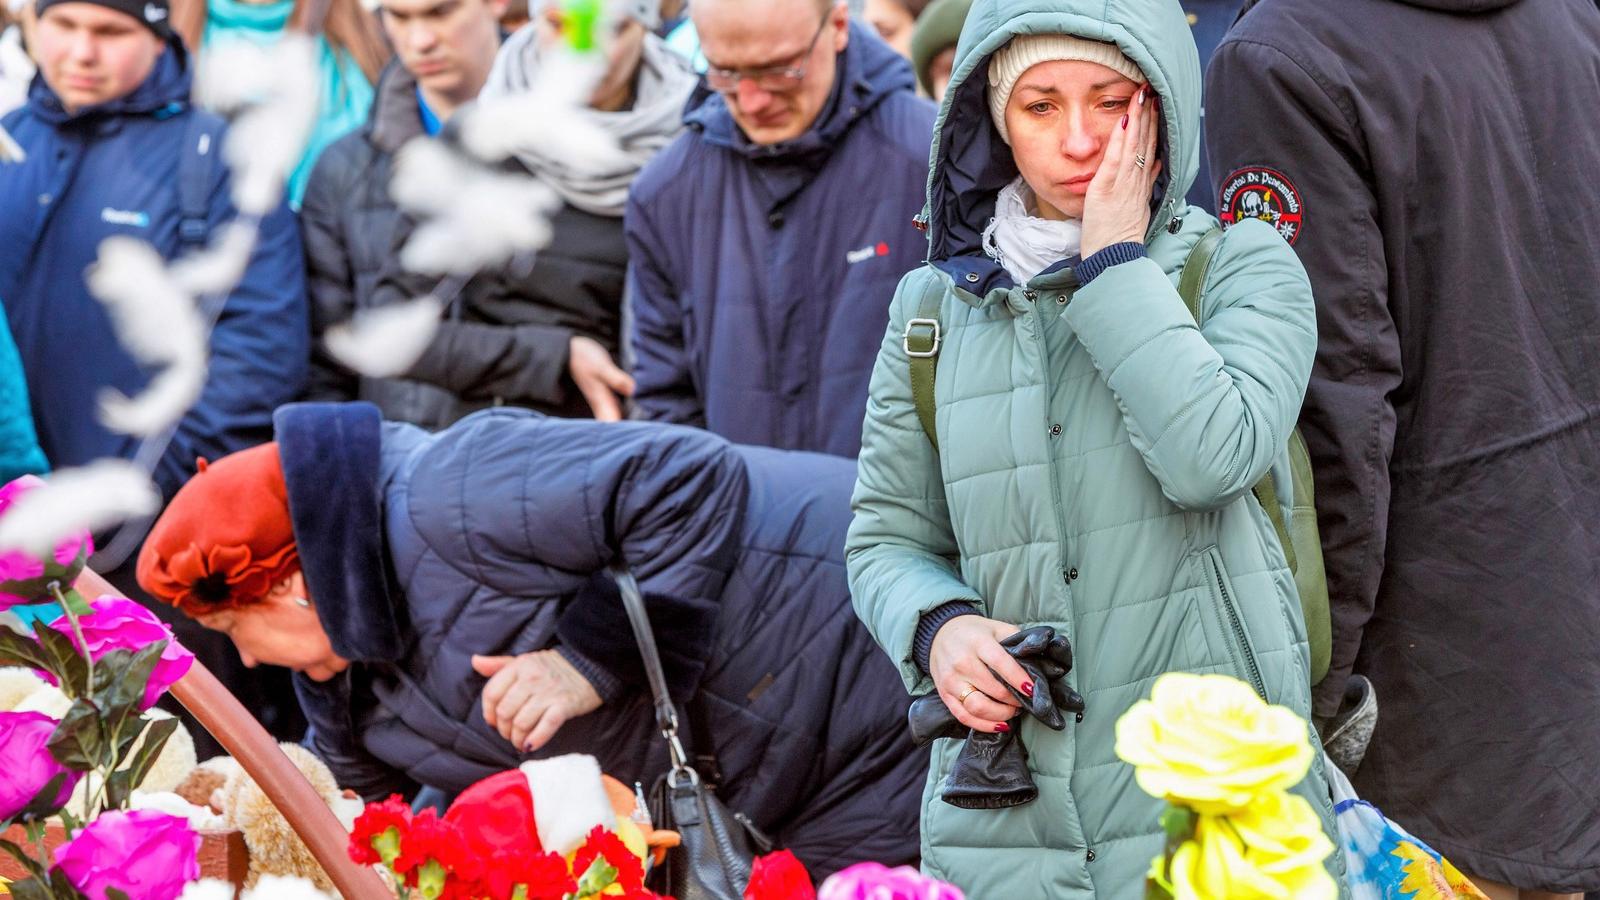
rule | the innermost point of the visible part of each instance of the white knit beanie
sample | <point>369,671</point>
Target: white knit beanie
<point>1025,51</point>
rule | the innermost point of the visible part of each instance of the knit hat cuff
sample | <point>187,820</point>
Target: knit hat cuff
<point>152,14</point>
<point>1025,51</point>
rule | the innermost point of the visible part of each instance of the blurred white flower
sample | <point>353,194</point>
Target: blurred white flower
<point>385,341</point>
<point>277,89</point>
<point>158,323</point>
<point>470,217</point>
<point>97,496</point>
<point>548,120</point>
<point>284,887</point>
<point>220,267</point>
<point>10,150</point>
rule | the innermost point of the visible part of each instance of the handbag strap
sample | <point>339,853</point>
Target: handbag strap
<point>644,636</point>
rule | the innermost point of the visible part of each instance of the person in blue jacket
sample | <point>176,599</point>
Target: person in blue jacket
<point>110,138</point>
<point>114,148</point>
<point>440,597</point>
<point>766,242</point>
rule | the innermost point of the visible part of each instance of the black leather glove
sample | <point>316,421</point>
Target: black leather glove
<point>991,771</point>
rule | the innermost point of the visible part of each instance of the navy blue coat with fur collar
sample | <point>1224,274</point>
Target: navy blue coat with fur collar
<point>421,550</point>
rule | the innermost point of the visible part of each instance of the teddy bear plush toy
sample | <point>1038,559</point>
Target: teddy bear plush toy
<point>222,786</point>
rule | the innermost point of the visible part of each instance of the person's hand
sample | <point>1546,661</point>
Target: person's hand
<point>964,660</point>
<point>1117,206</point>
<point>529,697</point>
<point>598,377</point>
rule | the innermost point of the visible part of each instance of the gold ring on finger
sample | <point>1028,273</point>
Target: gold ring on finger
<point>971,689</point>
<point>1138,160</point>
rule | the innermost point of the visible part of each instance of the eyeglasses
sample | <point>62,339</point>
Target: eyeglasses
<point>773,79</point>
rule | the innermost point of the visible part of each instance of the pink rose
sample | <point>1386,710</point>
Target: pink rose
<point>26,761</point>
<point>25,580</point>
<point>118,623</point>
<point>875,881</point>
<point>143,853</point>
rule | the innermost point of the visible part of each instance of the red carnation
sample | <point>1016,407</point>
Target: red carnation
<point>603,844</point>
<point>779,876</point>
<point>375,822</point>
<point>544,876</point>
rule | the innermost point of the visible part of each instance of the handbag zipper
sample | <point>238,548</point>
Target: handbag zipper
<point>1241,646</point>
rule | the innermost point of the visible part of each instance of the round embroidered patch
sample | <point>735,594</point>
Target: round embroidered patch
<point>1257,192</point>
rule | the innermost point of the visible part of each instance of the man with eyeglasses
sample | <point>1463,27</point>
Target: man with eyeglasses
<point>767,241</point>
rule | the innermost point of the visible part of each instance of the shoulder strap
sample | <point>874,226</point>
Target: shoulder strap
<point>195,166</point>
<point>921,342</point>
<point>1193,280</point>
<point>644,636</point>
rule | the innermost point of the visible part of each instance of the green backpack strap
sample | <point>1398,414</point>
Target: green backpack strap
<point>1191,285</point>
<point>921,342</point>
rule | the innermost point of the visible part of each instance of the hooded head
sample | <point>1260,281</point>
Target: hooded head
<point>972,161</point>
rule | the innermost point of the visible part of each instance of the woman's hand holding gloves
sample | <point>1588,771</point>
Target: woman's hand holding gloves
<point>991,769</point>
<point>529,697</point>
<point>1117,208</point>
<point>971,670</point>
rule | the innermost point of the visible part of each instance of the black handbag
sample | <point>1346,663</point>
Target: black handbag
<point>714,860</point>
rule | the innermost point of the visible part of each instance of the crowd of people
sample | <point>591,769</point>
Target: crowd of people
<point>889,296</point>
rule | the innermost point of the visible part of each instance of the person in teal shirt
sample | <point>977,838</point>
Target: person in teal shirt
<point>352,54</point>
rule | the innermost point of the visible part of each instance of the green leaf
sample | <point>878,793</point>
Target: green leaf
<point>119,682</point>
<point>114,894</point>
<point>125,780</point>
<point>21,856</point>
<point>65,662</point>
<point>69,821</point>
<point>35,888</point>
<point>599,876</point>
<point>62,888</point>
<point>75,601</point>
<point>79,741</point>
<point>1178,822</point>
<point>21,650</point>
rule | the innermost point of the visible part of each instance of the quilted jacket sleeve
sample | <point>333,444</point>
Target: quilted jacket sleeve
<point>1209,412</point>
<point>901,549</point>
<point>534,507</point>
<point>665,389</point>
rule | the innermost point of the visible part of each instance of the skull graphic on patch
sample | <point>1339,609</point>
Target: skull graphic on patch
<point>1257,192</point>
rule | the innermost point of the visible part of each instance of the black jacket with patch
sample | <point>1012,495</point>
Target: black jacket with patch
<point>1433,162</point>
<point>505,338</point>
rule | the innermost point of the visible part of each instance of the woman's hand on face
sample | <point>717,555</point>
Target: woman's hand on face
<point>967,655</point>
<point>1117,206</point>
<point>529,697</point>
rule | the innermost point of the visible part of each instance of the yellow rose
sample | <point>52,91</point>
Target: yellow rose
<point>1221,862</point>
<point>1209,743</point>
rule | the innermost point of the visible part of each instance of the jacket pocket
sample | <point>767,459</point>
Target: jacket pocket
<point>1226,604</point>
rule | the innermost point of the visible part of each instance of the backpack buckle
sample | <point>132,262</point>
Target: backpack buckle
<point>927,343</point>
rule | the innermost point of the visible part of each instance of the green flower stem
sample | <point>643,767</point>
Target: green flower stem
<point>69,608</point>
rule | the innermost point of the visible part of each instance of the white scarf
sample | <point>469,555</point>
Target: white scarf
<point>1025,244</point>
<point>664,82</point>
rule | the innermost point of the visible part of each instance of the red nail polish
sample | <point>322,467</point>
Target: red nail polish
<point>1124,123</point>
<point>1027,689</point>
<point>1002,728</point>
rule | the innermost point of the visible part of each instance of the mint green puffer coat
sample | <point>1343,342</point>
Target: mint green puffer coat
<point>1097,457</point>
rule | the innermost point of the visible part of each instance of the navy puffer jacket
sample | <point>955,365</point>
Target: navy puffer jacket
<point>422,550</point>
<point>761,275</point>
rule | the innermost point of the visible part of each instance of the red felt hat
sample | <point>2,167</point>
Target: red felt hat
<point>225,539</point>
